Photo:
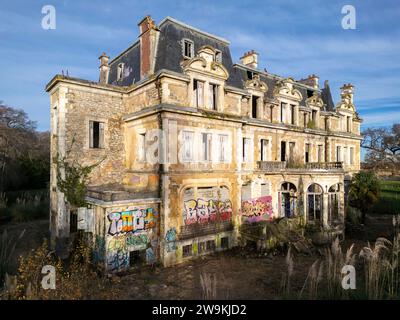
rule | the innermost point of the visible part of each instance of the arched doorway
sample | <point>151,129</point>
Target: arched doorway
<point>287,199</point>
<point>333,203</point>
<point>314,202</point>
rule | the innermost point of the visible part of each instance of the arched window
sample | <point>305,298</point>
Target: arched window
<point>288,200</point>
<point>314,202</point>
<point>334,201</point>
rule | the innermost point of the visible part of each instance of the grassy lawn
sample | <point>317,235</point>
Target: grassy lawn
<point>389,202</point>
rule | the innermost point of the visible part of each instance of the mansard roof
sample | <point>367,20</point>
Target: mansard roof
<point>169,57</point>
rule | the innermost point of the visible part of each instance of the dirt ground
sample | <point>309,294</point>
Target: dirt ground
<point>240,274</point>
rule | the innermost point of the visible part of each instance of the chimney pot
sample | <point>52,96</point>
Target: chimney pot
<point>250,59</point>
<point>104,68</point>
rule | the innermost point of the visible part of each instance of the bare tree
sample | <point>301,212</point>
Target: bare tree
<point>383,146</point>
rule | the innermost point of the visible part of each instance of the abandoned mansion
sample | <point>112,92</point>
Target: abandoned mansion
<point>186,147</point>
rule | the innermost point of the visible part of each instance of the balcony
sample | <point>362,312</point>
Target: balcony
<point>197,230</point>
<point>284,166</point>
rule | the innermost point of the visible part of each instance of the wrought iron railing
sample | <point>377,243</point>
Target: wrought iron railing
<point>198,229</point>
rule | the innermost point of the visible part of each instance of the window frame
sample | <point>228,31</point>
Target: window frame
<point>186,41</point>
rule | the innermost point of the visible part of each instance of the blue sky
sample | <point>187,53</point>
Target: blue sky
<point>293,38</point>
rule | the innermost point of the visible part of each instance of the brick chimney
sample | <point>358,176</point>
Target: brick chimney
<point>347,90</point>
<point>104,68</point>
<point>250,59</point>
<point>148,38</point>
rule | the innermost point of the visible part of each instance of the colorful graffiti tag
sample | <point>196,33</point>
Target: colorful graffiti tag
<point>257,209</point>
<point>117,261</point>
<point>129,229</point>
<point>205,211</point>
<point>130,221</point>
<point>170,238</point>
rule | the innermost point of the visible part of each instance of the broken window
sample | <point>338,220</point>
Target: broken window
<point>283,108</point>
<point>307,153</point>
<point>96,134</point>
<point>212,96</point>
<point>206,146</point>
<point>187,250</point>
<point>188,138</point>
<point>264,149</point>
<point>283,150</point>
<point>249,75</point>
<point>309,93</point>
<point>292,114</point>
<point>338,154</point>
<point>246,149</point>
<point>224,243</point>
<point>73,221</point>
<point>198,93</point>
<point>188,48</point>
<point>254,104</point>
<point>210,245</point>
<point>287,200</point>
<point>137,257</point>
<point>314,202</point>
<point>218,56</point>
<point>333,203</point>
<point>120,71</point>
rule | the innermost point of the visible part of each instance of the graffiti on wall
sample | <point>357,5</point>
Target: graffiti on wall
<point>170,238</point>
<point>130,229</point>
<point>257,209</point>
<point>130,221</point>
<point>205,211</point>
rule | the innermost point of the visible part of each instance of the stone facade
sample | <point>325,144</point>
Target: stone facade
<point>185,158</point>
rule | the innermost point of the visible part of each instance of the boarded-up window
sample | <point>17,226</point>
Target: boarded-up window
<point>338,154</point>
<point>320,153</point>
<point>351,155</point>
<point>142,147</point>
<point>265,191</point>
<point>188,138</point>
<point>212,96</point>
<point>198,93</point>
<point>246,192</point>
<point>206,146</point>
<point>223,147</point>
<point>264,149</point>
<point>246,149</point>
<point>96,134</point>
<point>218,56</point>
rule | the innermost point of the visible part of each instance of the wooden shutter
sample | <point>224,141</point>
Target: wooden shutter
<point>101,135</point>
<point>91,134</point>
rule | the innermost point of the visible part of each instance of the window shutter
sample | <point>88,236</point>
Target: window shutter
<point>200,93</point>
<point>91,134</point>
<point>101,135</point>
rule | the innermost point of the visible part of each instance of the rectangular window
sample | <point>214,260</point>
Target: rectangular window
<point>198,93</point>
<point>254,103</point>
<point>206,146</point>
<point>314,116</point>
<point>218,56</point>
<point>305,119</point>
<point>348,124</point>
<point>283,108</point>
<point>246,149</point>
<point>283,150</point>
<point>188,49</point>
<point>320,153</point>
<point>249,75</point>
<point>291,151</point>
<point>223,147</point>
<point>73,221</point>
<point>188,139</point>
<point>345,155</point>
<point>338,155</point>
<point>351,155</point>
<point>307,153</point>
<point>225,243</point>
<point>96,134</point>
<point>292,114</point>
<point>265,189</point>
<point>264,149</point>
<point>120,71</point>
<point>142,147</point>
<point>187,250</point>
<point>210,245</point>
<point>212,96</point>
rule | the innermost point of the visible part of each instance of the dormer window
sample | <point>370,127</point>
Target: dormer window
<point>218,56</point>
<point>120,71</point>
<point>250,75</point>
<point>188,48</point>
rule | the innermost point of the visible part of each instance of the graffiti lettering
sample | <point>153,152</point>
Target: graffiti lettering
<point>170,238</point>
<point>205,211</point>
<point>257,209</point>
<point>117,261</point>
<point>131,221</point>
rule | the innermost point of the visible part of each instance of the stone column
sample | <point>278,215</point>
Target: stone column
<point>325,209</point>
